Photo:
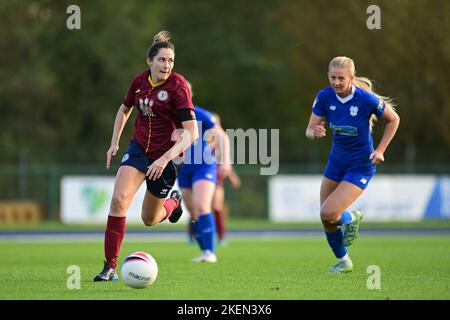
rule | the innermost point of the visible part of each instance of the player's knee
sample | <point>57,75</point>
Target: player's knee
<point>328,216</point>
<point>119,203</point>
<point>148,221</point>
<point>202,208</point>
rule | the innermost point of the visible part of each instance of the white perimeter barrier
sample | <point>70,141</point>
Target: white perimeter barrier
<point>86,199</point>
<point>388,197</point>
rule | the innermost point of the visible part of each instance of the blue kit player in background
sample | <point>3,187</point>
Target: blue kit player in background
<point>197,180</point>
<point>349,106</point>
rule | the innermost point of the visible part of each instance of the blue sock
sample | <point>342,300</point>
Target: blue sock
<point>207,231</point>
<point>196,234</point>
<point>346,218</point>
<point>335,241</point>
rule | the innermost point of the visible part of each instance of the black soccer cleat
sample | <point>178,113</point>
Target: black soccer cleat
<point>178,211</point>
<point>107,274</point>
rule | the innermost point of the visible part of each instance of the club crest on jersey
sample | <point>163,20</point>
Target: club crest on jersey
<point>163,95</point>
<point>353,111</point>
<point>332,108</point>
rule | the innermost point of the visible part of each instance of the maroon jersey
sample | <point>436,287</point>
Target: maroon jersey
<point>158,106</point>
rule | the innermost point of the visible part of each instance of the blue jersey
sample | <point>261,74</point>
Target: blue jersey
<point>200,152</point>
<point>348,118</point>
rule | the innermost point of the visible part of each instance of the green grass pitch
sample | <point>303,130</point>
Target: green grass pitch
<point>295,268</point>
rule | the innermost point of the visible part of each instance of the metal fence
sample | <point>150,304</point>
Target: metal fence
<point>41,184</point>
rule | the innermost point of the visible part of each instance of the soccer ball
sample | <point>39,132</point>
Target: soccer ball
<point>139,270</point>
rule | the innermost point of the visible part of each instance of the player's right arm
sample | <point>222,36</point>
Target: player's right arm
<point>122,116</point>
<point>316,127</point>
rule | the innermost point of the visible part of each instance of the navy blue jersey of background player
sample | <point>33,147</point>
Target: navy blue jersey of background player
<point>348,118</point>
<point>200,152</point>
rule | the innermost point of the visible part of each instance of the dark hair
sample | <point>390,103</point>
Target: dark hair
<point>161,40</point>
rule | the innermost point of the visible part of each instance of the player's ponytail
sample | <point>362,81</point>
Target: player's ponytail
<point>361,82</point>
<point>162,36</point>
<point>160,40</point>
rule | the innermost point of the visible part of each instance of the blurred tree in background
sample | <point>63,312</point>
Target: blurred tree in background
<point>257,63</point>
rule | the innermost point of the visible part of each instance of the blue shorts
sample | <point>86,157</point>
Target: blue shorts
<point>359,175</point>
<point>136,157</point>
<point>190,173</point>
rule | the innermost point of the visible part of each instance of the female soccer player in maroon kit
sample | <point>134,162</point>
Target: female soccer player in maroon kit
<point>164,103</point>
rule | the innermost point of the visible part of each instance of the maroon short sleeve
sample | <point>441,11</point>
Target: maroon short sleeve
<point>182,97</point>
<point>129,98</point>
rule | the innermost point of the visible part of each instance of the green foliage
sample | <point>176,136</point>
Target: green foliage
<point>257,63</point>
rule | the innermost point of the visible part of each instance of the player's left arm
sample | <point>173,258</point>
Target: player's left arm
<point>182,103</point>
<point>392,122</point>
<point>188,135</point>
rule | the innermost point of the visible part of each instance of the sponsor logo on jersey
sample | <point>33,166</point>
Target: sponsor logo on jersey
<point>353,111</point>
<point>163,95</point>
<point>344,130</point>
<point>332,108</point>
<point>146,107</point>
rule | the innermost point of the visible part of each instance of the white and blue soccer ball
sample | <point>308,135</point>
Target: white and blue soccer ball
<point>139,270</point>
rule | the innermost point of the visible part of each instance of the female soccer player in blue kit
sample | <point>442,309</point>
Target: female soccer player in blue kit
<point>349,106</point>
<point>197,180</point>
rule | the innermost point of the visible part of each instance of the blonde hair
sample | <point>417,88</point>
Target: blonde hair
<point>360,82</point>
<point>217,117</point>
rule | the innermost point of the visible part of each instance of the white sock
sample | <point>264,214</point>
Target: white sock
<point>353,217</point>
<point>344,258</point>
